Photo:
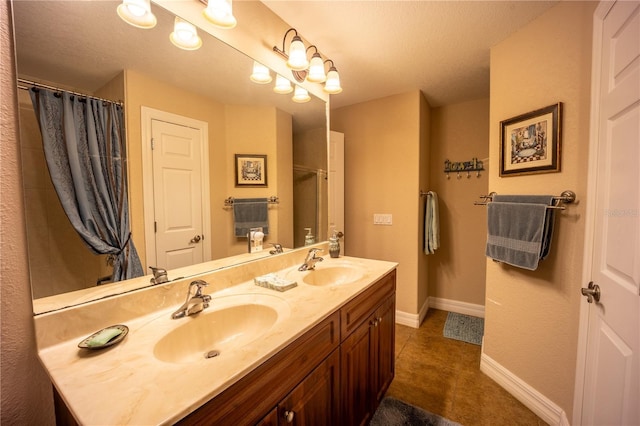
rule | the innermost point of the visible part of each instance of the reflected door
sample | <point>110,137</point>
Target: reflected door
<point>177,193</point>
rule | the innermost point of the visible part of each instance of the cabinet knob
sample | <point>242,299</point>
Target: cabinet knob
<point>289,415</point>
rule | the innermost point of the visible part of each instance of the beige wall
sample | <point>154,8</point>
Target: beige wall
<point>382,175</point>
<point>460,132</point>
<point>531,325</point>
<point>25,390</point>
<point>424,169</point>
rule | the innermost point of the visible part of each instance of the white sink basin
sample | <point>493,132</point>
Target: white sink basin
<point>333,274</point>
<point>229,323</point>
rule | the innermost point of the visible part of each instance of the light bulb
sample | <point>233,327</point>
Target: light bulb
<point>185,35</point>
<point>301,95</point>
<point>283,86</point>
<point>297,55</point>
<point>332,85</point>
<point>260,73</point>
<point>137,13</point>
<point>316,70</point>
<point>220,13</point>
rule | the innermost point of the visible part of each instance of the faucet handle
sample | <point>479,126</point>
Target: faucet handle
<point>199,285</point>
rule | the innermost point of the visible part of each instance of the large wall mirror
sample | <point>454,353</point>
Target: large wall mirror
<point>85,47</point>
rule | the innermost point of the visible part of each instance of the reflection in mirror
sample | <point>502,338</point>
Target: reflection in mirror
<point>85,47</point>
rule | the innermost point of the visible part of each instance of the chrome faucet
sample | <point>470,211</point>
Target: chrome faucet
<point>277,248</point>
<point>311,260</point>
<point>196,301</point>
<point>159,275</point>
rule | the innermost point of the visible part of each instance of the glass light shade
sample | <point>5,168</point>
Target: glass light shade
<point>297,55</point>
<point>185,35</point>
<point>260,74</point>
<point>316,70</point>
<point>283,86</point>
<point>220,13</point>
<point>301,95</point>
<point>332,86</point>
<point>137,13</point>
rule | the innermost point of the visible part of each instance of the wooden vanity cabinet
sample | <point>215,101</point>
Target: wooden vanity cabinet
<point>368,351</point>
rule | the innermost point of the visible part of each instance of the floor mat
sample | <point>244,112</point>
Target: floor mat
<point>464,327</point>
<point>393,412</point>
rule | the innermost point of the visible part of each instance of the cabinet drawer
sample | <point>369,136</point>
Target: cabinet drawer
<point>358,310</point>
<point>250,399</point>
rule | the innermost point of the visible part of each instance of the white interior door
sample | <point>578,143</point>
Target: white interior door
<point>177,194</point>
<point>612,369</point>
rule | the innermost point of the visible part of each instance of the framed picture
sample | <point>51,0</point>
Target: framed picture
<point>251,170</point>
<point>530,143</point>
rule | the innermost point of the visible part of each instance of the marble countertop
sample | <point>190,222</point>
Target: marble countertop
<point>128,384</point>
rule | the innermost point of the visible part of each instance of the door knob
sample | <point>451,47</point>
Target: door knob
<point>592,292</point>
<point>195,239</point>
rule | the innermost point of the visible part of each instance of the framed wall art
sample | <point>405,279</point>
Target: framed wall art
<point>251,170</point>
<point>530,143</point>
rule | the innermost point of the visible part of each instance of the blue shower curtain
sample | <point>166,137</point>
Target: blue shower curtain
<point>84,146</point>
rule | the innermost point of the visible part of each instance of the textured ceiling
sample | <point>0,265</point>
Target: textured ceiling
<point>383,48</point>
<point>380,48</point>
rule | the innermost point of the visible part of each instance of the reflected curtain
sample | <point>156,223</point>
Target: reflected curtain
<point>84,147</point>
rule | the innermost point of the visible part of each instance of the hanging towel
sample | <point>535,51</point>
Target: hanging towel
<point>250,213</point>
<point>520,229</point>
<point>431,224</point>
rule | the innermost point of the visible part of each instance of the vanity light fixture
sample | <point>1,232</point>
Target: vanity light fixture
<point>301,95</point>
<point>316,68</point>
<point>332,84</point>
<point>185,35</point>
<point>297,57</point>
<point>260,74</point>
<point>283,86</point>
<point>220,13</point>
<point>312,71</point>
<point>137,13</point>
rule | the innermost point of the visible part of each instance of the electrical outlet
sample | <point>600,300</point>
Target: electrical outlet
<point>382,219</point>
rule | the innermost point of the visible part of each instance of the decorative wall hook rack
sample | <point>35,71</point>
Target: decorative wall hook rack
<point>474,165</point>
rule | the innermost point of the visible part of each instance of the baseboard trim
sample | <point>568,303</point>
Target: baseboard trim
<point>413,320</point>
<point>531,398</point>
<point>457,306</point>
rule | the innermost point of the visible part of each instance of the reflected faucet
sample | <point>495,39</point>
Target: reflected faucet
<point>311,260</point>
<point>196,301</point>
<point>277,248</point>
<point>159,275</point>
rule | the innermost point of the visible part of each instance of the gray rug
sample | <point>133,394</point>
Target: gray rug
<point>393,412</point>
<point>464,327</point>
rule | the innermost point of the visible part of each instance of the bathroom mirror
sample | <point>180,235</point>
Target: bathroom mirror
<point>84,46</point>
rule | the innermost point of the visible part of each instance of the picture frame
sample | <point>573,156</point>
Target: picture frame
<point>251,170</point>
<point>531,143</point>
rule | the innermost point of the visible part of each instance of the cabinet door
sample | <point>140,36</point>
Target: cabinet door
<point>356,376</point>
<point>315,401</point>
<point>270,419</point>
<point>383,348</point>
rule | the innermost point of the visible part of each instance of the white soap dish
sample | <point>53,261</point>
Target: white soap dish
<point>104,338</point>
<point>274,282</point>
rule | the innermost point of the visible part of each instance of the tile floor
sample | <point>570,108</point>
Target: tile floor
<point>443,376</point>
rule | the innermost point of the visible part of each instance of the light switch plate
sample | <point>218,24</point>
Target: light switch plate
<point>382,219</point>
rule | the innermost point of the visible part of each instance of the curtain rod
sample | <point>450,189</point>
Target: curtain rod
<point>22,82</point>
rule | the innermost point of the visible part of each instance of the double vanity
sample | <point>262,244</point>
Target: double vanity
<point>321,352</point>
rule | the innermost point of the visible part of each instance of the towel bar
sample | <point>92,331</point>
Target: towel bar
<point>228,202</point>
<point>567,197</point>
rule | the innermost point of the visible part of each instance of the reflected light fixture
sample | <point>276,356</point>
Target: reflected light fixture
<point>283,86</point>
<point>297,57</point>
<point>260,73</point>
<point>137,13</point>
<point>185,35</point>
<point>220,13</point>
<point>316,68</point>
<point>301,95</point>
<point>332,85</point>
